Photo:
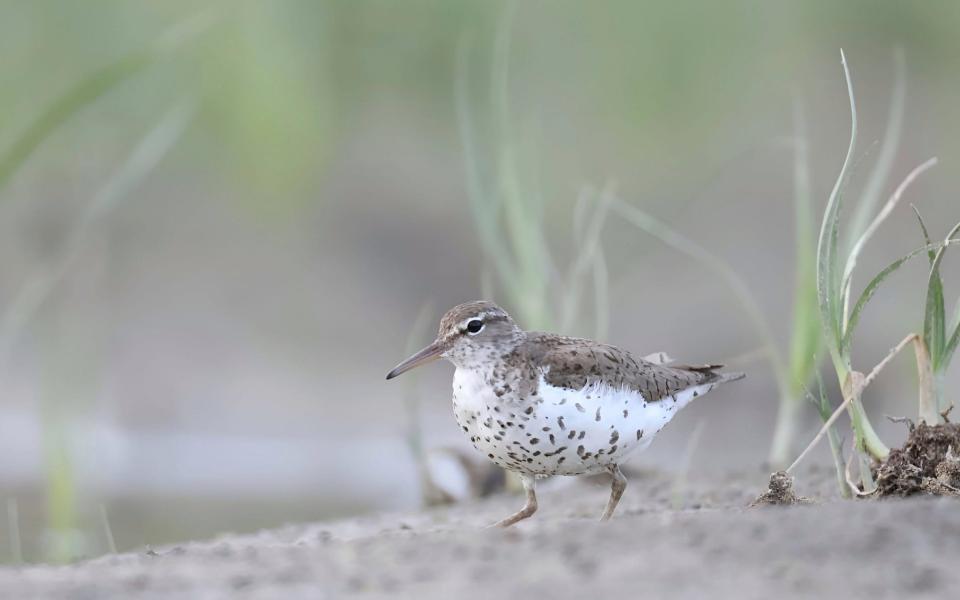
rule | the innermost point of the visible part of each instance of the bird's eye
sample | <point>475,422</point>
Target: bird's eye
<point>474,326</point>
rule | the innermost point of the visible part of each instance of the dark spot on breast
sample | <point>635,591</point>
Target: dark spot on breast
<point>534,440</point>
<point>613,448</point>
<point>560,423</point>
<point>580,408</point>
<point>529,410</point>
<point>580,451</point>
<point>625,413</point>
<point>597,418</point>
<point>546,429</point>
<point>582,433</point>
<point>572,434</point>
<point>614,437</point>
<point>553,440</point>
<point>489,456</point>
<point>639,433</point>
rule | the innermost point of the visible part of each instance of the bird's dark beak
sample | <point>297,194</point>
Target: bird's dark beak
<point>428,354</point>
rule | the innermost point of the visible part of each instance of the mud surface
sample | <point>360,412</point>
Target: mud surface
<point>693,541</point>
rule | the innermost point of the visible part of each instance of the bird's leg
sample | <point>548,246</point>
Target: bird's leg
<point>616,491</point>
<point>528,509</point>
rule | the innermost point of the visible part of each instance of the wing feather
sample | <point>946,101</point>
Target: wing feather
<point>575,363</point>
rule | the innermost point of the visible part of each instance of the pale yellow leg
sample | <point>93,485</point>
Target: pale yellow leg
<point>528,509</point>
<point>616,491</point>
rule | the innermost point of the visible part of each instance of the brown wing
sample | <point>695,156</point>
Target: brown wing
<point>574,363</point>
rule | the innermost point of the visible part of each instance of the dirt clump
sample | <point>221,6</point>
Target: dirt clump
<point>780,492</point>
<point>928,463</point>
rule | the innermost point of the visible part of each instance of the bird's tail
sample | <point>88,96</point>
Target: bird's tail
<point>728,377</point>
<point>711,375</point>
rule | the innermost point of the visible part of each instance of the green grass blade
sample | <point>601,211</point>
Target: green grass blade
<point>935,324</point>
<point>80,95</point>
<point>933,317</point>
<point>416,337</point>
<point>484,203</point>
<point>13,529</point>
<point>828,276</point>
<point>871,288</point>
<point>882,169</point>
<point>806,334</point>
<point>145,156</point>
<point>580,210</point>
<point>956,315</point>
<point>951,346</point>
<point>601,296</point>
<point>926,234</point>
<point>935,320</point>
<point>92,87</point>
<point>875,225</point>
<point>587,239</point>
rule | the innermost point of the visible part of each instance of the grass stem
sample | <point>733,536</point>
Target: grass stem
<point>107,530</point>
<point>13,526</point>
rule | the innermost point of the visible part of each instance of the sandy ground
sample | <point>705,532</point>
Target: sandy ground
<point>710,547</point>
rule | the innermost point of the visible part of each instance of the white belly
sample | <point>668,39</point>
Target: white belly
<point>560,431</point>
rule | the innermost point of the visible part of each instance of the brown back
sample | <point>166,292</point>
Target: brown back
<point>575,363</point>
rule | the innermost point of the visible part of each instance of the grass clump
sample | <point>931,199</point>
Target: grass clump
<point>839,321</point>
<point>839,317</point>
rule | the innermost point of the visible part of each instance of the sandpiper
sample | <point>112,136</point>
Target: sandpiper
<point>541,404</point>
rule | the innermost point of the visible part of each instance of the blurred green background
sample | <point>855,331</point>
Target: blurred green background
<point>210,261</point>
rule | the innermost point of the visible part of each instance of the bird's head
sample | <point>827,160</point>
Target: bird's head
<point>469,334</point>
